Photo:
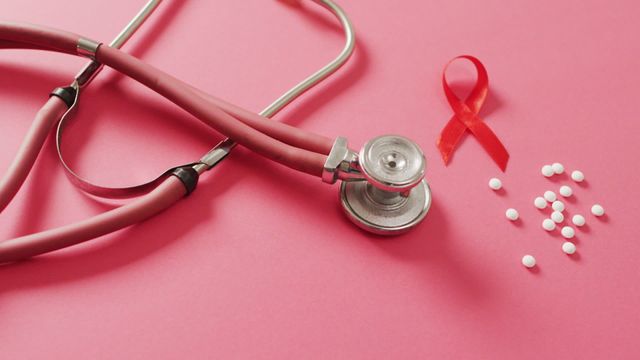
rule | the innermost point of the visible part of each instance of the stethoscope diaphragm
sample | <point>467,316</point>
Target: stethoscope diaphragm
<point>392,163</point>
<point>384,212</point>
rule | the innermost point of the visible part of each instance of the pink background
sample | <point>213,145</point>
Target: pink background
<point>260,262</point>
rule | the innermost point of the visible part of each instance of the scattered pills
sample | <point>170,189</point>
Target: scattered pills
<point>557,217</point>
<point>568,232</point>
<point>540,202</point>
<point>568,247</point>
<point>597,210</point>
<point>548,224</point>
<point>565,191</point>
<point>528,261</point>
<point>578,220</point>
<point>557,168</point>
<point>495,183</point>
<point>547,171</point>
<point>550,196</point>
<point>558,206</point>
<point>577,176</point>
<point>512,214</point>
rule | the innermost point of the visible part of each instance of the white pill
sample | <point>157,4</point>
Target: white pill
<point>529,261</point>
<point>557,168</point>
<point>568,232</point>
<point>495,183</point>
<point>577,176</point>
<point>547,171</point>
<point>540,202</point>
<point>557,216</point>
<point>548,224</point>
<point>568,247</point>
<point>578,220</point>
<point>550,196</point>
<point>565,191</point>
<point>597,210</point>
<point>558,206</point>
<point>512,214</point>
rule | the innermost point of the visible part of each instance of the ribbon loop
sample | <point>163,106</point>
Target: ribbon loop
<point>466,118</point>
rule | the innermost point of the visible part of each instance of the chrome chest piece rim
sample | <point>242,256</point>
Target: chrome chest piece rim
<point>383,212</point>
<point>392,163</point>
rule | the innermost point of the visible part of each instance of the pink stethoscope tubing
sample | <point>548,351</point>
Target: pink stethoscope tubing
<point>274,143</point>
<point>288,145</point>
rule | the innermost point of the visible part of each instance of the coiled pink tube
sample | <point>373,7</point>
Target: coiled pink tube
<point>190,100</point>
<point>165,195</point>
<point>46,118</point>
<point>285,144</point>
<point>174,90</point>
<point>283,132</point>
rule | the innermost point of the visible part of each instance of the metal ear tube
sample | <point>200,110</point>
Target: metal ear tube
<point>383,190</point>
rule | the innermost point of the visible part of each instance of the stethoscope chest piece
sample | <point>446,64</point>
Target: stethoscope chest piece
<point>392,163</point>
<point>382,212</point>
<point>393,197</point>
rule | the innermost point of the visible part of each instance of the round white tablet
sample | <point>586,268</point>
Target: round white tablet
<point>548,224</point>
<point>557,168</point>
<point>540,202</point>
<point>547,171</point>
<point>512,214</point>
<point>529,261</point>
<point>578,220</point>
<point>550,196</point>
<point>565,191</point>
<point>557,216</point>
<point>597,210</point>
<point>568,232</point>
<point>577,176</point>
<point>495,183</point>
<point>568,247</point>
<point>558,206</point>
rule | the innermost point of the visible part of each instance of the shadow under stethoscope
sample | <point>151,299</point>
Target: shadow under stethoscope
<point>429,248</point>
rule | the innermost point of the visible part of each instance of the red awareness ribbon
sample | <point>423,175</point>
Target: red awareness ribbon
<point>466,117</point>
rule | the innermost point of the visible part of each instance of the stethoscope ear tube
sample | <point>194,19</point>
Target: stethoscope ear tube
<point>183,96</point>
<point>166,194</point>
<point>32,144</point>
<point>29,149</point>
<point>383,189</point>
<point>288,134</point>
<point>35,244</point>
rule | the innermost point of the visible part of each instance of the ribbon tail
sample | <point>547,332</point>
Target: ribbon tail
<point>490,143</point>
<point>449,138</point>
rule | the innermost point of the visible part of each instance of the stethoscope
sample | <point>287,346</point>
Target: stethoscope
<point>382,191</point>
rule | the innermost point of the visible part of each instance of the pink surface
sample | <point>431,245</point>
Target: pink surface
<point>260,263</point>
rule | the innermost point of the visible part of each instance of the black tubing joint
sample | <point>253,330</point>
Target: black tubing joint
<point>189,177</point>
<point>66,94</point>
